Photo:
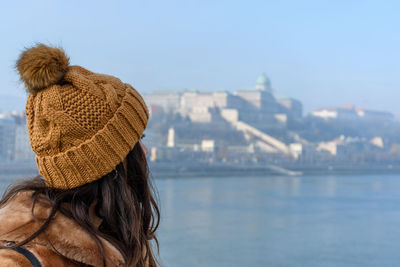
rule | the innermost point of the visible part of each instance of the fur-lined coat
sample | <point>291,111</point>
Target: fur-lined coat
<point>64,242</point>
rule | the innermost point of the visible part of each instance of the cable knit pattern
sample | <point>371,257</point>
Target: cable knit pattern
<point>83,126</point>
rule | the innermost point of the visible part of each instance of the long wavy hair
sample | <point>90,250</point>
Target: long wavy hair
<point>124,199</point>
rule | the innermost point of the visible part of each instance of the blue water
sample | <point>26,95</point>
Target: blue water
<point>280,221</point>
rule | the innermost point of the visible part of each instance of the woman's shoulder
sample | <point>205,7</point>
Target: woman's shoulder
<point>15,223</point>
<point>22,199</point>
<point>32,254</point>
<point>17,211</point>
<point>11,258</point>
<point>18,223</point>
<point>65,235</point>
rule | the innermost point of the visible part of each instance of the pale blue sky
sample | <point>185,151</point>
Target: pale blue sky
<point>322,52</point>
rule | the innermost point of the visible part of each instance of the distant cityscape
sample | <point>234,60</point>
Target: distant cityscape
<point>247,130</point>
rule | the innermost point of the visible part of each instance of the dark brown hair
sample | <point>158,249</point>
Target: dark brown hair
<point>124,200</point>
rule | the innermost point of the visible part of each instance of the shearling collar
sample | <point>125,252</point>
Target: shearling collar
<point>64,236</point>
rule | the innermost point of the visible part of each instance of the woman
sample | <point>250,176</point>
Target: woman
<point>92,204</point>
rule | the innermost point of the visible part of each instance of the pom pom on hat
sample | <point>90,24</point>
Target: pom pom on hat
<point>42,66</point>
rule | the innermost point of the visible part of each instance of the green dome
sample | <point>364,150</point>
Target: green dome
<point>263,80</point>
<point>263,83</point>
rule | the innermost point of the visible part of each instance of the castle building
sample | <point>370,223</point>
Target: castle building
<point>261,96</point>
<point>168,101</point>
<point>257,106</point>
<point>291,106</point>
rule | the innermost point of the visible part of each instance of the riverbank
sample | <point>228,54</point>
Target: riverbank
<point>168,170</point>
<point>171,169</point>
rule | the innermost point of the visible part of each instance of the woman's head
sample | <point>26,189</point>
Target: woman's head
<point>85,129</point>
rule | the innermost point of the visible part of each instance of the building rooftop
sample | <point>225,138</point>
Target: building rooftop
<point>263,80</point>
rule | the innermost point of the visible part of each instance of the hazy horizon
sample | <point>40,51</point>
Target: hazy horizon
<point>324,54</point>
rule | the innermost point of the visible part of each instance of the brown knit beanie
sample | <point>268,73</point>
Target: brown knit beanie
<point>81,124</point>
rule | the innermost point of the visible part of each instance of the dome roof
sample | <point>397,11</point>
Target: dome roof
<point>263,80</point>
<point>263,83</point>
